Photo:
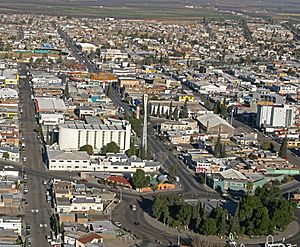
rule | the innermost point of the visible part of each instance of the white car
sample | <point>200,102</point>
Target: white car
<point>6,167</point>
<point>118,224</point>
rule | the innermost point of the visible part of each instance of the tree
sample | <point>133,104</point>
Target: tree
<point>109,90</point>
<point>223,151</point>
<point>111,147</point>
<point>173,171</point>
<point>208,226</point>
<point>87,148</point>
<point>218,147</point>
<point>148,153</point>
<point>220,215</point>
<point>185,113</point>
<point>139,179</point>
<point>175,113</point>
<point>282,213</point>
<point>267,146</point>
<point>170,115</point>
<point>235,222</point>
<point>185,215</point>
<point>136,125</point>
<point>217,107</point>
<point>261,221</point>
<point>249,187</point>
<point>158,203</point>
<point>132,150</point>
<point>5,155</point>
<point>66,91</point>
<point>158,111</point>
<point>283,149</point>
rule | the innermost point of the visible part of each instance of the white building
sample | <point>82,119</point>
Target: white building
<point>275,116</point>
<point>50,119</point>
<point>8,93</point>
<point>68,161</point>
<point>284,89</point>
<point>11,223</point>
<point>113,163</point>
<point>129,166</point>
<point>78,204</point>
<point>13,153</point>
<point>74,136</point>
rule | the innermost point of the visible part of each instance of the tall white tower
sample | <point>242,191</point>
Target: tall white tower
<point>144,139</point>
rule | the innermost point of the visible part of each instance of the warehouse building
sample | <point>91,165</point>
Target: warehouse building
<point>73,136</point>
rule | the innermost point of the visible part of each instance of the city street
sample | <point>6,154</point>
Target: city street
<point>37,211</point>
<point>134,221</point>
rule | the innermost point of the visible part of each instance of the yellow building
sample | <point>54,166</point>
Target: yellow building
<point>293,143</point>
<point>149,69</point>
<point>185,97</point>
<point>11,77</point>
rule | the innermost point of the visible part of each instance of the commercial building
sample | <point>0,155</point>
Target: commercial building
<point>68,161</point>
<point>12,223</point>
<point>215,125</point>
<point>74,136</point>
<point>275,116</point>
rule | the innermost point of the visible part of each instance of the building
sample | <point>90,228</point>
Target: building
<point>86,47</point>
<point>68,161</point>
<point>8,93</point>
<point>90,239</point>
<point>50,105</point>
<point>74,136</point>
<point>12,223</point>
<point>235,181</point>
<point>181,125</point>
<point>276,116</point>
<point>178,137</point>
<point>185,97</point>
<point>215,125</point>
<point>13,153</point>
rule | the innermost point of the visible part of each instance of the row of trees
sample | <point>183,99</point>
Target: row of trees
<point>174,212</point>
<point>173,114</point>
<point>258,214</point>
<point>283,150</point>
<point>111,147</point>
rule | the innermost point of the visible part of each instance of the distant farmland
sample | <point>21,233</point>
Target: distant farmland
<point>88,8</point>
<point>148,9</point>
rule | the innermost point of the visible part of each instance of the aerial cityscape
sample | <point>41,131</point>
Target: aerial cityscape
<point>149,123</point>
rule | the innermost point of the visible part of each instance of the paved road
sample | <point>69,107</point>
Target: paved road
<point>37,212</point>
<point>82,58</point>
<point>189,186</point>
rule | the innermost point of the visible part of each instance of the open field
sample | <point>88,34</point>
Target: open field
<point>149,9</point>
<point>146,12</point>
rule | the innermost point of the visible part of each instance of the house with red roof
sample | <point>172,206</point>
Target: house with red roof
<point>119,180</point>
<point>90,238</point>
